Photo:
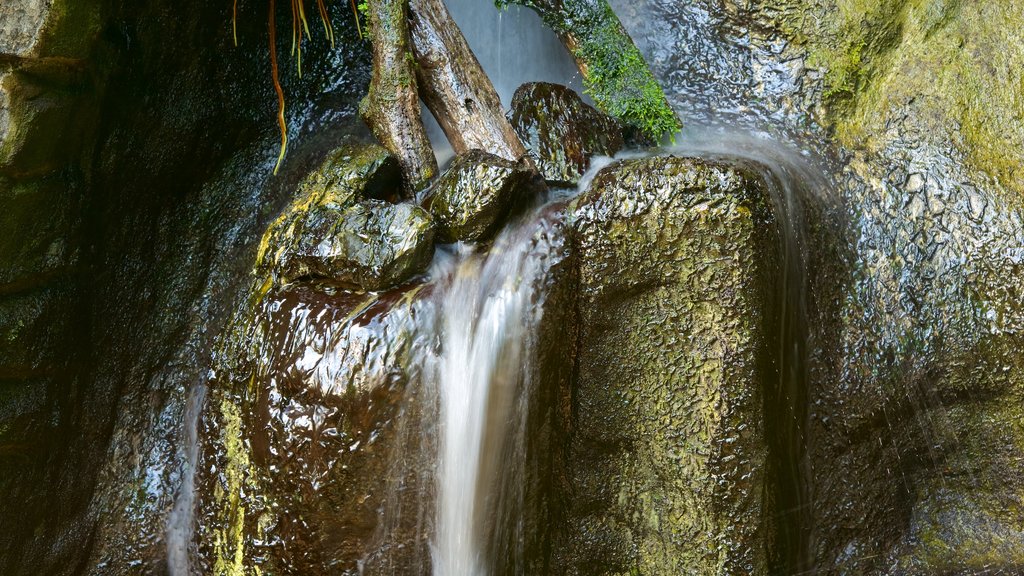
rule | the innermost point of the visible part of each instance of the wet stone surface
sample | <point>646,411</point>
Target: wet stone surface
<point>304,422</point>
<point>333,233</point>
<point>678,258</point>
<point>372,245</point>
<point>561,131</point>
<point>472,199</point>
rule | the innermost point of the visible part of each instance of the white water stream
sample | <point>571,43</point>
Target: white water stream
<point>488,319</point>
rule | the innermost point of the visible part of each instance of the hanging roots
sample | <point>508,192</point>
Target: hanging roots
<point>300,26</point>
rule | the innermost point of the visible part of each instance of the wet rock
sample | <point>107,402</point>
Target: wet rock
<point>355,171</point>
<point>472,198</point>
<point>331,232</point>
<point>667,457</point>
<point>561,131</point>
<point>371,244</point>
<point>315,442</point>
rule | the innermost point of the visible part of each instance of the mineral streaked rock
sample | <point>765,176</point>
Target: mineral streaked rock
<point>666,461</point>
<point>561,131</point>
<point>472,198</point>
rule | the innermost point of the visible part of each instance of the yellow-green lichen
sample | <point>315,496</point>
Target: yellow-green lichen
<point>229,539</point>
<point>956,66</point>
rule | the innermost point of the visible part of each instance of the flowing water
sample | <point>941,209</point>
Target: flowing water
<point>489,314</point>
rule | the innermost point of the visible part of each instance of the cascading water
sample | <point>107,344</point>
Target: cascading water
<point>489,315</point>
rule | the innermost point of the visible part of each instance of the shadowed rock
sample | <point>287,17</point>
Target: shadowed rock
<point>471,199</point>
<point>666,455</point>
<point>561,131</point>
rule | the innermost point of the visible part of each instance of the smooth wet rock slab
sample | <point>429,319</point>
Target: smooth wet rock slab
<point>561,131</point>
<point>666,464</point>
<point>472,198</point>
<point>305,454</point>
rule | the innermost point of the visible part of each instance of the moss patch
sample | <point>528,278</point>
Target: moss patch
<point>957,65</point>
<point>615,74</point>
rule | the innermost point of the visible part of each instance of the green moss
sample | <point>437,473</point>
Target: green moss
<point>615,74</point>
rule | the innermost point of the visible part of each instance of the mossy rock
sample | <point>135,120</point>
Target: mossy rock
<point>370,245</point>
<point>678,261</point>
<point>335,231</point>
<point>561,131</point>
<point>614,72</point>
<point>472,198</point>
<point>352,172</point>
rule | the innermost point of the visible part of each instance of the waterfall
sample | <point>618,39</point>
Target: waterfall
<point>182,517</point>
<point>488,317</point>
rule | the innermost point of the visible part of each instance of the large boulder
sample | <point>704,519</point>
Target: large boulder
<point>472,198</point>
<point>666,462</point>
<point>561,131</point>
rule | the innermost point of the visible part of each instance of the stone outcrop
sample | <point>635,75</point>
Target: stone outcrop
<point>472,199</point>
<point>666,460</point>
<point>331,233</point>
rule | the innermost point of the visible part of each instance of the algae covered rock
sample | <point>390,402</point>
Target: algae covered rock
<point>471,199</point>
<point>356,171</point>
<point>561,131</point>
<point>667,454</point>
<point>332,232</point>
<point>371,244</point>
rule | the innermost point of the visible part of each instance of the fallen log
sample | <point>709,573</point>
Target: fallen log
<point>391,107</point>
<point>454,86</point>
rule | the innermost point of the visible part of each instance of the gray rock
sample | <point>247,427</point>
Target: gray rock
<point>667,455</point>
<point>472,198</point>
<point>21,22</point>
<point>561,131</point>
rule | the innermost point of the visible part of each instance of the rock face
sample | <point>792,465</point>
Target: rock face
<point>47,127</point>
<point>330,233</point>
<point>308,444</point>
<point>472,198</point>
<point>667,455</point>
<point>561,131</point>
